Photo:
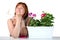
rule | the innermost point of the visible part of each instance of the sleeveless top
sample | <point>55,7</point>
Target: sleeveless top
<point>27,20</point>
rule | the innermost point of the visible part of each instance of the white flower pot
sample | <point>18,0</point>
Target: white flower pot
<point>40,32</point>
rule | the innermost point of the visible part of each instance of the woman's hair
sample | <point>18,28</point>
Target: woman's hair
<point>25,7</point>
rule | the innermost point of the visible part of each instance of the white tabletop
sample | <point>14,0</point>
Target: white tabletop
<point>10,38</point>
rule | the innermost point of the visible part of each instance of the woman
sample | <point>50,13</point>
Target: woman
<point>18,24</point>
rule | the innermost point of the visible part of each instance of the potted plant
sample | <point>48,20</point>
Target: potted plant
<point>42,28</point>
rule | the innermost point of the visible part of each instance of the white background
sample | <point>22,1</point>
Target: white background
<point>36,6</point>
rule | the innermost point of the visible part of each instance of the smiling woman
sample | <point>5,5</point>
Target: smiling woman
<point>18,24</point>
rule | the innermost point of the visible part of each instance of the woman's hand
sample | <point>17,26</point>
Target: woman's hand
<point>18,17</point>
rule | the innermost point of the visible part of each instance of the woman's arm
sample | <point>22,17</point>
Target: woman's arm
<point>14,31</point>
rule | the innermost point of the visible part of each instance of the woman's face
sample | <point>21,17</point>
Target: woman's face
<point>20,10</point>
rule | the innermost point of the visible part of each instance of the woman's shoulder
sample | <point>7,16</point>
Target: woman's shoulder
<point>10,20</point>
<point>28,20</point>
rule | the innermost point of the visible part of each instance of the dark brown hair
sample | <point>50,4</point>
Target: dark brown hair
<point>25,7</point>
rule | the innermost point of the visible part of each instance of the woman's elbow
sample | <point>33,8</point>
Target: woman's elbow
<point>14,35</point>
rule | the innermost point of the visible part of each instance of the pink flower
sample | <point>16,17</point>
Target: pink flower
<point>29,14</point>
<point>43,15</point>
<point>34,15</point>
